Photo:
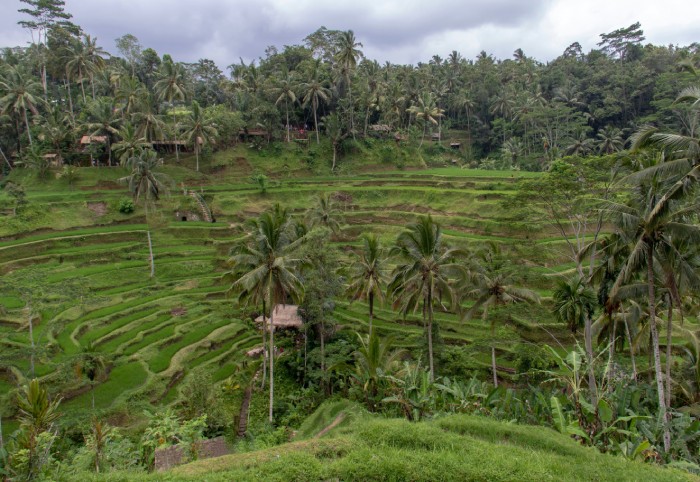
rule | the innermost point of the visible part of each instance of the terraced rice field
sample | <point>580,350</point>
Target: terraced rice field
<point>87,286</point>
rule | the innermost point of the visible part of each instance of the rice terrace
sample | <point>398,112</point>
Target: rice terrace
<point>317,266</point>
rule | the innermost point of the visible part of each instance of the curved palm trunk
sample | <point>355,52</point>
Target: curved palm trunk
<point>177,151</point>
<point>26,122</point>
<point>323,354</point>
<point>286,109</point>
<point>655,347</point>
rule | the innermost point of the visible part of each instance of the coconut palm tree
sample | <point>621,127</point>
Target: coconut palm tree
<point>492,286</point>
<point>131,93</point>
<point>426,111</point>
<point>102,121</point>
<point>424,273</point>
<point>374,359</point>
<point>650,222</point>
<point>610,140</point>
<point>573,302</point>
<point>199,129</point>
<point>170,87</point>
<point>284,89</point>
<point>368,274</point>
<point>314,90</point>
<point>94,56</point>
<point>130,145</point>
<point>148,122</point>
<point>268,265</point>
<point>325,212</point>
<point>19,93</point>
<point>346,59</point>
<point>144,181</point>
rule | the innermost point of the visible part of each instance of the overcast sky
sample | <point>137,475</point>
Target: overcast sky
<point>399,31</point>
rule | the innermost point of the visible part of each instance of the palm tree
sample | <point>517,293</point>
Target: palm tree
<point>375,359</point>
<point>315,90</point>
<point>130,144</point>
<point>335,130</point>
<point>94,56</point>
<point>285,90</point>
<point>268,264</point>
<point>131,92</point>
<point>144,181</point>
<point>19,93</point>
<point>610,140</point>
<point>148,122</point>
<point>199,129</point>
<point>103,121</point>
<point>346,58</point>
<point>423,274</point>
<point>493,287</point>
<point>649,223</point>
<point>427,111</point>
<point>574,304</point>
<point>368,274</point>
<point>325,213</point>
<point>92,364</point>
<point>170,87</point>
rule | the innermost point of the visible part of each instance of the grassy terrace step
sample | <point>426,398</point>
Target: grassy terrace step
<point>161,360</point>
<point>110,325</point>
<point>226,365</point>
<point>218,347</point>
<point>111,343</point>
<point>54,235</point>
<point>122,381</point>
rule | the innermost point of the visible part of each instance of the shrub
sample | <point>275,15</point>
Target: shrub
<point>126,206</point>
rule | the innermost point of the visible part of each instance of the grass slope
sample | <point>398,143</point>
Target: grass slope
<point>457,447</point>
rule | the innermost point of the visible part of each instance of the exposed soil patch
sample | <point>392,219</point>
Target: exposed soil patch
<point>179,311</point>
<point>177,376</point>
<point>99,208</point>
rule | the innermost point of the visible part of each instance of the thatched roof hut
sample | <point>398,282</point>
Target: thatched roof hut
<point>90,139</point>
<point>284,316</point>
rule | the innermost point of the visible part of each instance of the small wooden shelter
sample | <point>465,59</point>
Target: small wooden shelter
<point>85,140</point>
<point>283,316</point>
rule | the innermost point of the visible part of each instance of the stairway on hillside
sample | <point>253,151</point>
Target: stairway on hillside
<point>243,416</point>
<point>206,212</point>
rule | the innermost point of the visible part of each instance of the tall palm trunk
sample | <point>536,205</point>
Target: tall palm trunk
<point>371,311</point>
<point>177,152</point>
<point>264,340</point>
<point>655,347</point>
<point>493,354</point>
<point>315,105</point>
<point>588,339</point>
<point>26,122</point>
<point>70,99</point>
<point>286,110</point>
<point>429,301</point>
<point>632,356</point>
<point>669,341</point>
<point>272,360</point>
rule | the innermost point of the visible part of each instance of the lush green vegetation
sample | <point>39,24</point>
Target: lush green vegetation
<point>541,252</point>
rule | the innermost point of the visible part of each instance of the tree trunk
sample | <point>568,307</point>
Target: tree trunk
<point>264,341</point>
<point>70,100</point>
<point>286,109</point>
<point>31,340</point>
<point>592,386</point>
<point>150,254</point>
<point>177,152</point>
<point>318,140</point>
<point>669,342</point>
<point>655,347</point>
<point>429,300</point>
<point>493,364</point>
<point>632,358</point>
<point>272,360</point>
<point>26,122</point>
<point>334,155</point>
<point>2,153</point>
<point>323,354</point>
<point>196,152</point>
<point>371,311</point>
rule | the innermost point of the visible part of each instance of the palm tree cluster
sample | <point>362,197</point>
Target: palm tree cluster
<point>518,109</point>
